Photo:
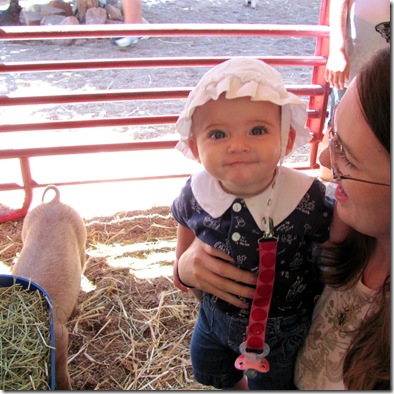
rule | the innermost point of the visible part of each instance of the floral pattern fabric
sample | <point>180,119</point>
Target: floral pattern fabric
<point>337,316</point>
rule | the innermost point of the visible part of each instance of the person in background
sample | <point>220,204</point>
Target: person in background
<point>240,123</point>
<point>348,345</point>
<point>357,29</point>
<point>132,13</point>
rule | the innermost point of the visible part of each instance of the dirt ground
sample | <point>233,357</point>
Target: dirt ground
<point>131,329</point>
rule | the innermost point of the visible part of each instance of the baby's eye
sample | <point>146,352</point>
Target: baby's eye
<point>258,130</point>
<point>217,134</point>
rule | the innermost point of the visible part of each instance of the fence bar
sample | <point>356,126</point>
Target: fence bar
<point>102,64</point>
<point>317,90</point>
<point>160,30</point>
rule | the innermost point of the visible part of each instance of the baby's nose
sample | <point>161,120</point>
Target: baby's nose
<point>238,144</point>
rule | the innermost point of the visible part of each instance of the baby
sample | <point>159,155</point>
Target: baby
<point>240,123</point>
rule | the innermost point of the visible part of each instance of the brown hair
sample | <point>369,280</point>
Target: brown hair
<point>373,88</point>
<point>367,363</point>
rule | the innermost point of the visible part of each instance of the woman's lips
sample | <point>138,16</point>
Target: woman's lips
<point>340,194</point>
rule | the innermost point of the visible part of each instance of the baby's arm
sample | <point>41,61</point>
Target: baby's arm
<point>184,239</point>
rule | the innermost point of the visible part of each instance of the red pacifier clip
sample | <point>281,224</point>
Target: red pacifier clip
<point>254,350</point>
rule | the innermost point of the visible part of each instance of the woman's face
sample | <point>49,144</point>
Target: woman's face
<point>363,206</point>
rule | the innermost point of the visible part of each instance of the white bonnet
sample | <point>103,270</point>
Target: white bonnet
<point>240,77</point>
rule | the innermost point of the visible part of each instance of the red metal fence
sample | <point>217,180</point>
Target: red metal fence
<point>317,90</point>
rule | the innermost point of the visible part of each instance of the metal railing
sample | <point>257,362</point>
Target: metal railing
<point>317,91</point>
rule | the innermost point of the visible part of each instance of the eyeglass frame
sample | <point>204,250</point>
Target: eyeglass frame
<point>333,147</point>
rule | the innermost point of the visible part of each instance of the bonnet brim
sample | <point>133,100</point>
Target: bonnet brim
<point>245,77</point>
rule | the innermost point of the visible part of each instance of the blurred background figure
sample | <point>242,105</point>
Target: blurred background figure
<point>357,29</point>
<point>132,13</point>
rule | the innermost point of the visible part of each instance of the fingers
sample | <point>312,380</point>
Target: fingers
<point>210,250</point>
<point>235,288</point>
<point>228,290</point>
<point>340,81</point>
<point>212,261</point>
<point>228,297</point>
<point>226,282</point>
<point>229,271</point>
<point>208,269</point>
<point>220,277</point>
<point>337,69</point>
<point>327,75</point>
<point>335,79</point>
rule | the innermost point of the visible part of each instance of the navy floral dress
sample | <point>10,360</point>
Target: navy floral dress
<point>237,234</point>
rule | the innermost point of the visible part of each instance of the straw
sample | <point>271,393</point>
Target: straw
<point>130,332</point>
<point>25,339</point>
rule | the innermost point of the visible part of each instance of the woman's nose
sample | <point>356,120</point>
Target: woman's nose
<point>324,158</point>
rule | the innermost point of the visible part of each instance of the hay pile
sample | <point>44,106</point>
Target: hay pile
<point>132,332</point>
<point>25,343</point>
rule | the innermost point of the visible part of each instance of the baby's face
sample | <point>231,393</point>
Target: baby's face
<point>238,142</point>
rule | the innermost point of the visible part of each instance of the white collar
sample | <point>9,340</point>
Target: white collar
<point>291,185</point>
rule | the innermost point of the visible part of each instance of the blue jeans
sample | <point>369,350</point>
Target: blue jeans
<point>215,347</point>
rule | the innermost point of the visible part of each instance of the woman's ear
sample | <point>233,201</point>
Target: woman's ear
<point>290,141</point>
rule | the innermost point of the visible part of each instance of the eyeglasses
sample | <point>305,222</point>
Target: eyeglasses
<point>336,154</point>
<point>384,30</point>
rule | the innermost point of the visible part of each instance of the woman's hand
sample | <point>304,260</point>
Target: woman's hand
<point>200,267</point>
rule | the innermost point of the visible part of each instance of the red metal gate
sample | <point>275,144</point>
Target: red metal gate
<point>317,91</point>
